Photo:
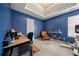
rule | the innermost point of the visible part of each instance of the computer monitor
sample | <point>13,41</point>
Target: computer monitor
<point>76,28</point>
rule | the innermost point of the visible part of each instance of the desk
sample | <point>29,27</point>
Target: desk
<point>18,42</point>
<point>54,35</point>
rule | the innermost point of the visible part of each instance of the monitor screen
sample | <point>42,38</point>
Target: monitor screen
<point>76,28</point>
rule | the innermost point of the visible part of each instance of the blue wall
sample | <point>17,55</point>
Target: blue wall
<point>5,22</point>
<point>19,22</point>
<point>61,22</point>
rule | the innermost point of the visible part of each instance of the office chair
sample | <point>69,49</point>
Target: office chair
<point>30,36</point>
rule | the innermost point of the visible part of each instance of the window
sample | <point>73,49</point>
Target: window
<point>72,21</point>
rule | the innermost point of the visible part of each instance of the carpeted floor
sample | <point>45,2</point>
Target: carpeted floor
<point>52,48</point>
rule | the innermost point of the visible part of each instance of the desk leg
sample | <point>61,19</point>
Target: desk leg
<point>7,52</point>
<point>11,51</point>
<point>31,54</point>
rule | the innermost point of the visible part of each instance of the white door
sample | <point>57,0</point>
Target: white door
<point>30,25</point>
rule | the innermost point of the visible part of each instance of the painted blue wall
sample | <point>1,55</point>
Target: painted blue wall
<point>19,22</point>
<point>5,22</point>
<point>61,22</point>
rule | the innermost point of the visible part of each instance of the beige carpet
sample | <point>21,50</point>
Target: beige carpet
<point>52,48</point>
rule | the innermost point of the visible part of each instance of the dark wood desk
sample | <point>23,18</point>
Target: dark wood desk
<point>19,42</point>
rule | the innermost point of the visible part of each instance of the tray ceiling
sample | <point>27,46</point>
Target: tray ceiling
<point>44,10</point>
<point>45,5</point>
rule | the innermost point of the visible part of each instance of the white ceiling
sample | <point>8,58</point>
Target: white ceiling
<point>45,5</point>
<point>44,10</point>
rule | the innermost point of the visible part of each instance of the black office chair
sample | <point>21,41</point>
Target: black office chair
<point>30,36</point>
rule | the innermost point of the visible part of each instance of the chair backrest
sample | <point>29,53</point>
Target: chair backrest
<point>44,34</point>
<point>30,36</point>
